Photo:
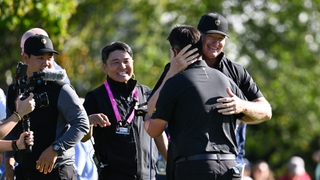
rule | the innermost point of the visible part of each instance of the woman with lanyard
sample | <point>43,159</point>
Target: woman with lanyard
<point>121,143</point>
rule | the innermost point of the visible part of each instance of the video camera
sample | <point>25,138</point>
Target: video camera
<point>26,85</point>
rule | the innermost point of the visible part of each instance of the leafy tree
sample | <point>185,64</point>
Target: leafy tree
<point>277,41</point>
<point>18,16</point>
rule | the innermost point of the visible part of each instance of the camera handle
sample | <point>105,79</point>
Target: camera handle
<point>26,127</point>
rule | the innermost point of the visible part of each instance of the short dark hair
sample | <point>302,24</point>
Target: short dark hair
<point>113,47</point>
<point>183,35</point>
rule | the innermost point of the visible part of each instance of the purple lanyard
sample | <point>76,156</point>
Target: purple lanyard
<point>114,104</point>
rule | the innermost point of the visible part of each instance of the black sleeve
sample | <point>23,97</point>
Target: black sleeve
<point>168,96</point>
<point>156,87</point>
<point>249,87</point>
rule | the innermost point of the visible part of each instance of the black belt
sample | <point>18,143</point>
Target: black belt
<point>208,156</point>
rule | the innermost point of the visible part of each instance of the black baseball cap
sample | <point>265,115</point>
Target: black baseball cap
<point>213,23</point>
<point>38,45</point>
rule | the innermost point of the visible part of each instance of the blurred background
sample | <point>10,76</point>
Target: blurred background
<point>277,41</point>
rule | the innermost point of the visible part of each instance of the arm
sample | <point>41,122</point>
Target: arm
<point>161,142</point>
<point>95,116</point>
<point>255,111</point>
<point>89,135</point>
<point>6,145</point>
<point>95,120</point>
<point>23,107</point>
<point>9,165</point>
<point>155,127</point>
<point>178,63</point>
<point>70,107</point>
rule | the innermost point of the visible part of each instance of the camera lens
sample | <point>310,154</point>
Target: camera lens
<point>41,100</point>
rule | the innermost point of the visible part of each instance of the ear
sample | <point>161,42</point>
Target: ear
<point>25,58</point>
<point>104,68</point>
<point>175,52</point>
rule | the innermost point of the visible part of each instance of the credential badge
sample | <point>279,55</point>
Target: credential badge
<point>44,41</point>
<point>217,22</point>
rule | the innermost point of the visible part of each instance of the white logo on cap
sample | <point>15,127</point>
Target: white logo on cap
<point>44,41</point>
<point>217,22</point>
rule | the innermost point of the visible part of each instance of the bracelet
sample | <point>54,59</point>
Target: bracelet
<point>14,145</point>
<point>16,113</point>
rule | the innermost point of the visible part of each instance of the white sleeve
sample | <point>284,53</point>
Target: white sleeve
<point>2,105</point>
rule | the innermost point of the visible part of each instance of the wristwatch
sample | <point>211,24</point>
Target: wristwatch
<point>57,148</point>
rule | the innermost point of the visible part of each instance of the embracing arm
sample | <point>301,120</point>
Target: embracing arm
<point>255,111</point>
<point>178,63</point>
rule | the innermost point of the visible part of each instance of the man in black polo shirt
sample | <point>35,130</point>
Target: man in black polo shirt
<point>214,28</point>
<point>203,140</point>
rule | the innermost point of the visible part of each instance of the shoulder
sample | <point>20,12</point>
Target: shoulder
<point>180,81</point>
<point>235,71</point>
<point>57,86</point>
<point>232,63</point>
<point>144,87</point>
<point>64,86</point>
<point>98,90</point>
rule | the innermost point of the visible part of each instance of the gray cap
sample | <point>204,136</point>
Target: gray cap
<point>296,165</point>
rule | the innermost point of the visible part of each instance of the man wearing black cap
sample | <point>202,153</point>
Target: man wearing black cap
<point>214,28</point>
<point>203,141</point>
<point>58,127</point>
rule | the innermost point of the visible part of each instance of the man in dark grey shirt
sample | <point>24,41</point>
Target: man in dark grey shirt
<point>57,127</point>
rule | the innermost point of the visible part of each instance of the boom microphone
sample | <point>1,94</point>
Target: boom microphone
<point>51,74</point>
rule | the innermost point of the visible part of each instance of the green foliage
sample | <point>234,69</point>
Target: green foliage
<point>277,41</point>
<point>18,16</point>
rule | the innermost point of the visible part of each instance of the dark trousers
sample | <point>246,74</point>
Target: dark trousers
<point>64,172</point>
<point>170,163</point>
<point>111,174</point>
<point>206,169</point>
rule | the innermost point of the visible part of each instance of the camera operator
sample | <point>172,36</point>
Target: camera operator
<point>58,127</point>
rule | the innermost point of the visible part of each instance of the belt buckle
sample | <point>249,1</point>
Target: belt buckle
<point>239,168</point>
